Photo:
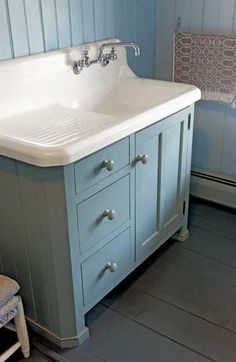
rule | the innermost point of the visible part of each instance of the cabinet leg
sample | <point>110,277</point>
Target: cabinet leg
<point>182,234</point>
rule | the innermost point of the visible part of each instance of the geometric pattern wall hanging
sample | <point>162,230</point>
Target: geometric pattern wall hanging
<point>207,61</point>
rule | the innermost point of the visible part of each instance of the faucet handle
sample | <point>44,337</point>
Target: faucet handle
<point>105,60</point>
<point>86,59</point>
<point>113,53</point>
<point>77,67</point>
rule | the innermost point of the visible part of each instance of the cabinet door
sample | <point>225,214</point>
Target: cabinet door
<point>160,180</point>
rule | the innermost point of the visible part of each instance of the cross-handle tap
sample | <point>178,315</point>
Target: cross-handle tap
<point>86,60</point>
<point>103,58</point>
<point>113,55</point>
<point>83,63</point>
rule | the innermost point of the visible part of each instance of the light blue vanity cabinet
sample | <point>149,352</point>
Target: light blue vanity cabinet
<point>70,234</point>
<point>161,181</point>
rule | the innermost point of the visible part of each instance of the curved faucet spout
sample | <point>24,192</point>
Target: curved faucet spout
<point>103,58</point>
<point>120,44</point>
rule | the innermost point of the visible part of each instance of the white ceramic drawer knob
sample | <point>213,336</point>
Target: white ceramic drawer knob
<point>111,266</point>
<point>142,158</point>
<point>110,214</point>
<point>109,165</point>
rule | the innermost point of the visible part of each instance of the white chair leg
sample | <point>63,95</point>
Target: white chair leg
<point>21,329</point>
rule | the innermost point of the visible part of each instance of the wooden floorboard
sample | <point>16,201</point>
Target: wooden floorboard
<point>216,227</point>
<point>115,337</point>
<point>193,291</point>
<point>202,263</point>
<point>215,247</point>
<point>212,211</point>
<point>178,306</point>
<point>197,334</point>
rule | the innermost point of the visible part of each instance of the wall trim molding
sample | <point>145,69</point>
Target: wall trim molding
<point>72,342</point>
<point>213,188</point>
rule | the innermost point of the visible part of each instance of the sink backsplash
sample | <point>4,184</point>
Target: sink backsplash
<point>42,80</point>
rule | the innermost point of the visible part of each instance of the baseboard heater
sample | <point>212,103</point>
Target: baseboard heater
<point>214,188</point>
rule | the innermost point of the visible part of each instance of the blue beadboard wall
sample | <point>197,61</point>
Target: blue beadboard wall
<point>215,128</point>
<point>34,26</point>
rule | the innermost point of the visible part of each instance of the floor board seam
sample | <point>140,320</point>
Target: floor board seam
<point>208,274</point>
<point>156,332</point>
<point>99,358</point>
<point>212,232</point>
<point>191,313</point>
<point>211,219</point>
<point>208,257</point>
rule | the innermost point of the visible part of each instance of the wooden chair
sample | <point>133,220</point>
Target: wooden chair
<point>11,308</point>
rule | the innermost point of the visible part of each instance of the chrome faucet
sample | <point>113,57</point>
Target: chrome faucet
<point>82,63</point>
<point>103,58</point>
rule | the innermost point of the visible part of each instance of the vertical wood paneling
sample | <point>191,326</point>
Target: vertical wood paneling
<point>89,20</point>
<point>18,27</point>
<point>15,261</point>
<point>5,37</point>
<point>104,24</point>
<point>182,9</point>
<point>234,20</point>
<point>191,13</point>
<point>196,14</point>
<point>63,23</point>
<point>34,26</point>
<point>76,21</point>
<point>194,152</point>
<point>226,17</point>
<point>127,30</point>
<point>211,15</point>
<point>164,38</point>
<point>213,144</point>
<point>1,264</point>
<point>209,144</point>
<point>145,37</point>
<point>36,236</point>
<point>109,8</point>
<point>100,23</point>
<point>140,24</point>
<point>228,161</point>
<point>49,24</point>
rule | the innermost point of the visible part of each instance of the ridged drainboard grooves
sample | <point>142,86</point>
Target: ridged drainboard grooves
<point>55,126</point>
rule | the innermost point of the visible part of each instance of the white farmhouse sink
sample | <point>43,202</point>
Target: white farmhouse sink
<point>133,96</point>
<point>50,116</point>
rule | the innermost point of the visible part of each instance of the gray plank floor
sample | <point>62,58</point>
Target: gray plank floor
<point>178,306</point>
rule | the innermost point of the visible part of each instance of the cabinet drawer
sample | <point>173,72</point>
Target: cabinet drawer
<point>102,164</point>
<point>103,212</point>
<point>102,271</point>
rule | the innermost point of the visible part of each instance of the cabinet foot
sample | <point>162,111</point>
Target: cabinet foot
<point>63,343</point>
<point>181,235</point>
